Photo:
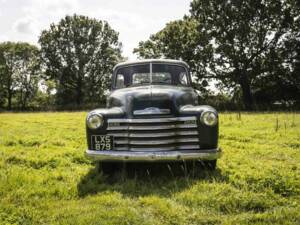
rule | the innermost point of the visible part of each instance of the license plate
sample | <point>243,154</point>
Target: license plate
<point>102,142</point>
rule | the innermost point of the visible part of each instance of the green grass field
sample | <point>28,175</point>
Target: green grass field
<point>45,178</point>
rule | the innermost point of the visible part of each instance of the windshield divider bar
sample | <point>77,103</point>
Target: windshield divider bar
<point>150,72</point>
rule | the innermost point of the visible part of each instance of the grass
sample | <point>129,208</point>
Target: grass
<point>45,178</point>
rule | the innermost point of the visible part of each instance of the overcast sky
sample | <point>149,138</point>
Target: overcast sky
<point>135,20</point>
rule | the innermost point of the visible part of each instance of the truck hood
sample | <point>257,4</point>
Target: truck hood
<point>152,99</point>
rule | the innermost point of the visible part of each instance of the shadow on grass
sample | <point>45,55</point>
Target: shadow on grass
<point>142,179</point>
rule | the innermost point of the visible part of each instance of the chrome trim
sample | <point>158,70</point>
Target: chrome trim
<point>160,127</point>
<point>152,148</point>
<point>151,111</point>
<point>156,134</point>
<point>152,120</point>
<point>205,154</point>
<point>157,142</point>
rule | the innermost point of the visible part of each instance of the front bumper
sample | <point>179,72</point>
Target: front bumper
<point>131,156</point>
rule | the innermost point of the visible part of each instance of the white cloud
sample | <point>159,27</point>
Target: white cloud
<point>3,37</point>
<point>135,20</point>
<point>24,25</point>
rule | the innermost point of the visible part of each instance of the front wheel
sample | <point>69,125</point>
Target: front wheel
<point>210,164</point>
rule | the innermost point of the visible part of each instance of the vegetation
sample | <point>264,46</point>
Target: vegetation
<point>72,69</point>
<point>79,54</point>
<point>19,73</point>
<point>249,49</point>
<point>246,46</point>
<point>45,178</point>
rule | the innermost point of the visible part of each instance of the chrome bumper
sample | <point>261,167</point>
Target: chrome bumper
<point>130,156</point>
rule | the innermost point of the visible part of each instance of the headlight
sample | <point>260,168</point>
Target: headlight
<point>209,118</point>
<point>95,121</point>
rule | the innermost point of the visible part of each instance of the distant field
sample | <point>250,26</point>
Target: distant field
<point>45,178</point>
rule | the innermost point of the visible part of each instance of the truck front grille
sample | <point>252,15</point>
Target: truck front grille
<point>155,134</point>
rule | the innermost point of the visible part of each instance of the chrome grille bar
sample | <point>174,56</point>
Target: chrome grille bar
<point>172,148</point>
<point>160,127</point>
<point>156,142</point>
<point>153,120</point>
<point>154,134</point>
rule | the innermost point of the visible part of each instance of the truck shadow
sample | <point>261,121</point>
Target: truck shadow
<point>135,180</point>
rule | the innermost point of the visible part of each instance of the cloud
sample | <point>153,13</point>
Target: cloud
<point>135,20</point>
<point>63,5</point>
<point>38,15</point>
<point>24,25</point>
<point>132,27</point>
<point>3,38</point>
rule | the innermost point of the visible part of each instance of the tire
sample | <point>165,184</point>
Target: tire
<point>210,164</point>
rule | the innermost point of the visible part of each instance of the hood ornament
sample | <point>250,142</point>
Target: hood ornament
<point>151,111</point>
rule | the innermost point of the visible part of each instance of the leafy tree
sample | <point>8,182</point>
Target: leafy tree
<point>248,38</point>
<point>19,72</point>
<point>79,54</point>
<point>241,44</point>
<point>2,83</point>
<point>180,39</point>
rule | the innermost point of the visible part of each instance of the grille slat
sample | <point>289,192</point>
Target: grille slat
<point>157,127</point>
<point>156,142</point>
<point>153,120</point>
<point>154,134</point>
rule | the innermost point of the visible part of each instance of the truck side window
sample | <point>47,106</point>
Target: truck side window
<point>183,78</point>
<point>120,81</point>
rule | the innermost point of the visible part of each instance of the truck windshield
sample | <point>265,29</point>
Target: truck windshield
<point>151,74</point>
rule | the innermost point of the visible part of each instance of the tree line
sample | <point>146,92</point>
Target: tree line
<point>249,49</point>
<point>70,70</point>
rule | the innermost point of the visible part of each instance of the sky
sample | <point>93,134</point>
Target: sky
<point>135,20</point>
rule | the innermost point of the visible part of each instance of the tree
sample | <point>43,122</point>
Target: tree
<point>78,54</point>
<point>180,39</point>
<point>19,72</point>
<point>241,44</point>
<point>248,36</point>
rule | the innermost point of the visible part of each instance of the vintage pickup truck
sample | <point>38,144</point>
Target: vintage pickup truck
<point>152,114</point>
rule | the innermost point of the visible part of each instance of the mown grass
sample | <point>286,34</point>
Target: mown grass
<point>45,178</point>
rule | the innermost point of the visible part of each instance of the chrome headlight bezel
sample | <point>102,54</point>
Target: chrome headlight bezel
<point>94,121</point>
<point>209,118</point>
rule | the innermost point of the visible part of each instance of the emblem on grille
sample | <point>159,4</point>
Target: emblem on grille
<point>151,111</point>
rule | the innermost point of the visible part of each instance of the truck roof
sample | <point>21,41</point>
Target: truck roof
<point>167,61</point>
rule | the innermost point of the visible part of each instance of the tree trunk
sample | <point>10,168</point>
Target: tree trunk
<point>9,90</point>
<point>21,100</point>
<point>24,101</point>
<point>9,97</point>
<point>246,91</point>
<point>79,96</point>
